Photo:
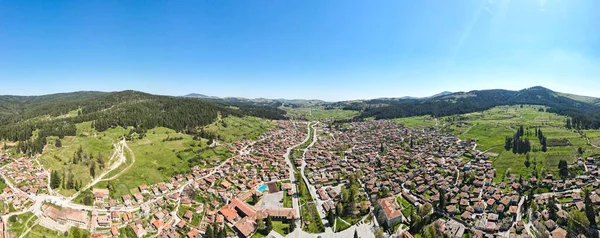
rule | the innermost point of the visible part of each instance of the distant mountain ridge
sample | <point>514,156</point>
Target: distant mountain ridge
<point>444,93</point>
<point>585,113</point>
<point>199,95</point>
<point>196,95</point>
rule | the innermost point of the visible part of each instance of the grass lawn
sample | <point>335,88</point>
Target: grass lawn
<point>195,218</point>
<point>257,235</point>
<point>24,221</point>
<point>340,225</point>
<point>4,207</point>
<point>309,212</point>
<point>41,232</point>
<point>2,185</point>
<point>403,202</point>
<point>287,201</point>
<point>280,227</point>
<point>81,232</point>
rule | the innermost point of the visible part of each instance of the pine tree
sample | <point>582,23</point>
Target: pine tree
<point>330,217</point>
<point>442,203</point>
<point>552,208</point>
<point>590,212</point>
<point>93,169</point>
<point>209,232</point>
<point>563,169</point>
<point>508,143</point>
<point>269,224</point>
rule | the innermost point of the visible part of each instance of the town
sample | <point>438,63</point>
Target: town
<point>317,179</point>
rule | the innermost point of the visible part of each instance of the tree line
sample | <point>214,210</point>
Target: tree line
<point>583,115</point>
<point>125,109</point>
<point>517,143</point>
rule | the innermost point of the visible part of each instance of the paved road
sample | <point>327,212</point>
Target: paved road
<point>295,202</point>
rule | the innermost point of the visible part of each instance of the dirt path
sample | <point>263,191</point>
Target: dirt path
<point>588,141</point>
<point>118,154</point>
<point>468,129</point>
<point>126,168</point>
<point>29,227</point>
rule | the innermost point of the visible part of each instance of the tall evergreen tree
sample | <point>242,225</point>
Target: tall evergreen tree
<point>269,224</point>
<point>590,211</point>
<point>563,169</point>
<point>552,208</point>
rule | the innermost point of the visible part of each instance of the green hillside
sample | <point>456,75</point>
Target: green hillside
<point>57,115</point>
<point>491,127</point>
<point>585,115</point>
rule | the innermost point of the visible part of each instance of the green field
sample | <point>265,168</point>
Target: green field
<point>340,225</point>
<point>333,114</point>
<point>418,122</point>
<point>77,232</point>
<point>24,221</point>
<point>43,232</point>
<point>287,200</point>
<point>157,159</point>
<point>319,113</point>
<point>593,136</point>
<point>91,141</point>
<point>491,127</point>
<point>232,129</point>
<point>280,227</point>
<point>309,212</point>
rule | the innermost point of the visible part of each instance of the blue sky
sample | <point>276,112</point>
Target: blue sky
<point>323,49</point>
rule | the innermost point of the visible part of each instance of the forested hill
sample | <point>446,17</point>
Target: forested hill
<point>56,115</point>
<point>19,107</point>
<point>584,114</point>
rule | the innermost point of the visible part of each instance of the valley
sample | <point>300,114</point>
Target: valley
<point>324,171</point>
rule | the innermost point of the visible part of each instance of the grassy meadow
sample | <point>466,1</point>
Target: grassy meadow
<point>319,113</point>
<point>417,122</point>
<point>161,154</point>
<point>491,127</point>
<point>154,158</point>
<point>231,129</point>
<point>91,141</point>
<point>24,222</point>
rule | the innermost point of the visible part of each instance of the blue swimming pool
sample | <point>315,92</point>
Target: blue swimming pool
<point>262,188</point>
